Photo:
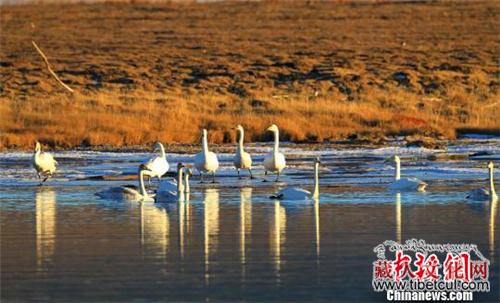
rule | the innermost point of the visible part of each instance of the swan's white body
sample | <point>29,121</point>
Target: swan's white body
<point>242,159</point>
<point>44,163</point>
<point>275,161</point>
<point>156,166</point>
<point>295,193</point>
<point>128,192</point>
<point>206,161</point>
<point>167,186</point>
<point>170,191</point>
<point>408,184</point>
<point>483,194</point>
<point>122,193</point>
<point>405,184</point>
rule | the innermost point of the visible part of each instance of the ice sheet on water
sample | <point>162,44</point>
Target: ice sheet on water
<point>341,165</point>
<point>471,146</point>
<point>480,136</point>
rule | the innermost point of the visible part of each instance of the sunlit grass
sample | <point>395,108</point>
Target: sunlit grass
<point>321,71</point>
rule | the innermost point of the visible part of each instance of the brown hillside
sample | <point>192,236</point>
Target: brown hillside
<point>320,71</point>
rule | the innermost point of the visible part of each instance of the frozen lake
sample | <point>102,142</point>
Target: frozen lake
<point>59,242</point>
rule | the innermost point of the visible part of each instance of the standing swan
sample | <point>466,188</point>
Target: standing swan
<point>156,166</point>
<point>242,159</point>
<point>294,193</point>
<point>128,192</point>
<point>206,161</point>
<point>482,194</point>
<point>275,161</point>
<point>405,184</point>
<point>44,163</point>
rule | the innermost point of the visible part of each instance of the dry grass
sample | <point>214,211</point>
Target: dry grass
<point>323,71</point>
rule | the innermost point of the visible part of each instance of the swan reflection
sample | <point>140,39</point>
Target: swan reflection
<point>189,216</point>
<point>210,226</point>
<point>398,217</point>
<point>317,228</point>
<point>245,223</point>
<point>493,215</point>
<point>45,205</point>
<point>277,233</point>
<point>185,210</point>
<point>155,227</point>
<point>182,217</point>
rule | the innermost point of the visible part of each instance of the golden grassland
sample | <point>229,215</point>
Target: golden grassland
<point>322,71</point>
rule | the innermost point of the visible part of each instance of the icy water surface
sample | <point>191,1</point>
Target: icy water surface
<point>59,242</point>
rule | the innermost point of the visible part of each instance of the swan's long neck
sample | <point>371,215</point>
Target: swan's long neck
<point>492,184</point>
<point>186,183</point>
<point>316,181</point>
<point>142,188</point>
<point>180,185</point>
<point>240,141</point>
<point>162,151</point>
<point>397,173</point>
<point>205,143</point>
<point>37,151</point>
<point>276,141</point>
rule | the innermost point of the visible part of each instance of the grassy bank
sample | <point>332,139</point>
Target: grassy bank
<point>321,71</point>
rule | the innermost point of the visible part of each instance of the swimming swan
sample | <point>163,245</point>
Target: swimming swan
<point>187,173</point>
<point>206,161</point>
<point>44,163</point>
<point>156,166</point>
<point>242,159</point>
<point>275,161</point>
<point>294,193</point>
<point>169,191</point>
<point>171,186</point>
<point>128,192</point>
<point>482,194</point>
<point>405,184</point>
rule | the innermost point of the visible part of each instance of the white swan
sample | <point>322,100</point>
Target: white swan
<point>128,192</point>
<point>405,184</point>
<point>275,161</point>
<point>156,166</point>
<point>206,161</point>
<point>187,173</point>
<point>169,191</point>
<point>482,194</point>
<point>242,159</point>
<point>44,163</point>
<point>294,193</point>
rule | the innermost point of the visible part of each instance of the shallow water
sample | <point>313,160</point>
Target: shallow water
<point>230,241</point>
